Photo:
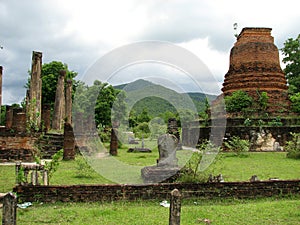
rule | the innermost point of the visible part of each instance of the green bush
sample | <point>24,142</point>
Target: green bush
<point>83,168</point>
<point>295,99</point>
<point>52,166</point>
<point>238,101</point>
<point>190,173</point>
<point>142,130</point>
<point>237,145</point>
<point>293,146</point>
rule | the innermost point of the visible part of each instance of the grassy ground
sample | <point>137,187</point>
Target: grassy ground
<point>261,211</point>
<point>222,211</point>
<point>264,164</point>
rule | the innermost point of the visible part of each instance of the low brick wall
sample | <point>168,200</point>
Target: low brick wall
<point>16,147</point>
<point>94,193</point>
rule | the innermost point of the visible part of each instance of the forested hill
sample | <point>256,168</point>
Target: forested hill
<point>148,92</point>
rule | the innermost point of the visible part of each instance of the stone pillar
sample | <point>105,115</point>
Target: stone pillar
<point>46,117</point>
<point>113,142</point>
<point>1,70</point>
<point>59,106</point>
<point>175,208</point>
<point>69,142</point>
<point>173,128</point>
<point>8,117</point>
<point>9,216</point>
<point>19,120</point>
<point>69,102</point>
<point>78,123</point>
<point>35,92</point>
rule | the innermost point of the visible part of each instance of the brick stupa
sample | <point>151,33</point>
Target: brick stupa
<point>254,68</point>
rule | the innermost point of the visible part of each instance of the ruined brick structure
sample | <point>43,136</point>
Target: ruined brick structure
<point>1,69</point>
<point>255,68</point>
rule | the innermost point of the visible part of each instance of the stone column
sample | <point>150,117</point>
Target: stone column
<point>9,216</point>
<point>173,129</point>
<point>35,92</point>
<point>113,142</point>
<point>78,122</point>
<point>59,105</point>
<point>8,117</point>
<point>69,102</point>
<point>19,121</point>
<point>46,117</point>
<point>1,70</point>
<point>175,208</point>
<point>69,142</point>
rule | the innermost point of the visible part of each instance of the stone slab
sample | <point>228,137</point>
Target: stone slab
<point>157,174</point>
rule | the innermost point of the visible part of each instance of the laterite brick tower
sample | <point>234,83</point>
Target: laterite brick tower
<point>254,67</point>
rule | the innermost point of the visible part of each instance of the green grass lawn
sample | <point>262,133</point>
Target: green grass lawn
<point>260,211</point>
<point>220,211</point>
<point>263,164</point>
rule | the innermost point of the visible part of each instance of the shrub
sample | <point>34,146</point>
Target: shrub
<point>295,99</point>
<point>190,172</point>
<point>237,145</point>
<point>83,168</point>
<point>142,130</point>
<point>238,101</point>
<point>293,146</point>
<point>52,166</point>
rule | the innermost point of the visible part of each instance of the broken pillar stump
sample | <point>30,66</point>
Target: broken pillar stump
<point>69,142</point>
<point>9,215</point>
<point>175,207</point>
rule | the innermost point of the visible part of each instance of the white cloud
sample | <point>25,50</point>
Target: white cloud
<point>78,32</point>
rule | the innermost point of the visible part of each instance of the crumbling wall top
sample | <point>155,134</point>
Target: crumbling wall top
<point>255,34</point>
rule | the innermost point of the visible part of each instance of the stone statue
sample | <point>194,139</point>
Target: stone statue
<point>167,144</point>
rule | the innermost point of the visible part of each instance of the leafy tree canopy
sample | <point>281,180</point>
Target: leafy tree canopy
<point>291,52</point>
<point>50,73</point>
<point>107,102</point>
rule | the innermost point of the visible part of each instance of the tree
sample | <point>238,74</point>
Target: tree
<point>295,99</point>
<point>293,146</point>
<point>143,116</point>
<point>100,99</point>
<point>50,74</point>
<point>291,52</point>
<point>238,101</point>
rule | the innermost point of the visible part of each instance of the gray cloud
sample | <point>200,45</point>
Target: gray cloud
<point>45,26</point>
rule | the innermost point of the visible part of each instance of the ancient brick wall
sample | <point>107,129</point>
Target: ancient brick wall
<point>95,193</point>
<point>235,127</point>
<point>16,147</point>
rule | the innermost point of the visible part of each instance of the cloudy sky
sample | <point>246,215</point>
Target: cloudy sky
<point>78,33</point>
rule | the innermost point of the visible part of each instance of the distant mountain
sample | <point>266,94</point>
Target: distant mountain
<point>135,85</point>
<point>158,99</point>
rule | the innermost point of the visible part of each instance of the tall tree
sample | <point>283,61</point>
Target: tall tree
<point>101,98</point>
<point>291,52</point>
<point>50,73</point>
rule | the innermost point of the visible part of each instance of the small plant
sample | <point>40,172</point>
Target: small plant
<point>293,146</point>
<point>191,173</point>
<point>83,168</point>
<point>237,145</point>
<point>33,117</point>
<point>247,122</point>
<point>21,179</point>
<point>52,165</point>
<point>275,122</point>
